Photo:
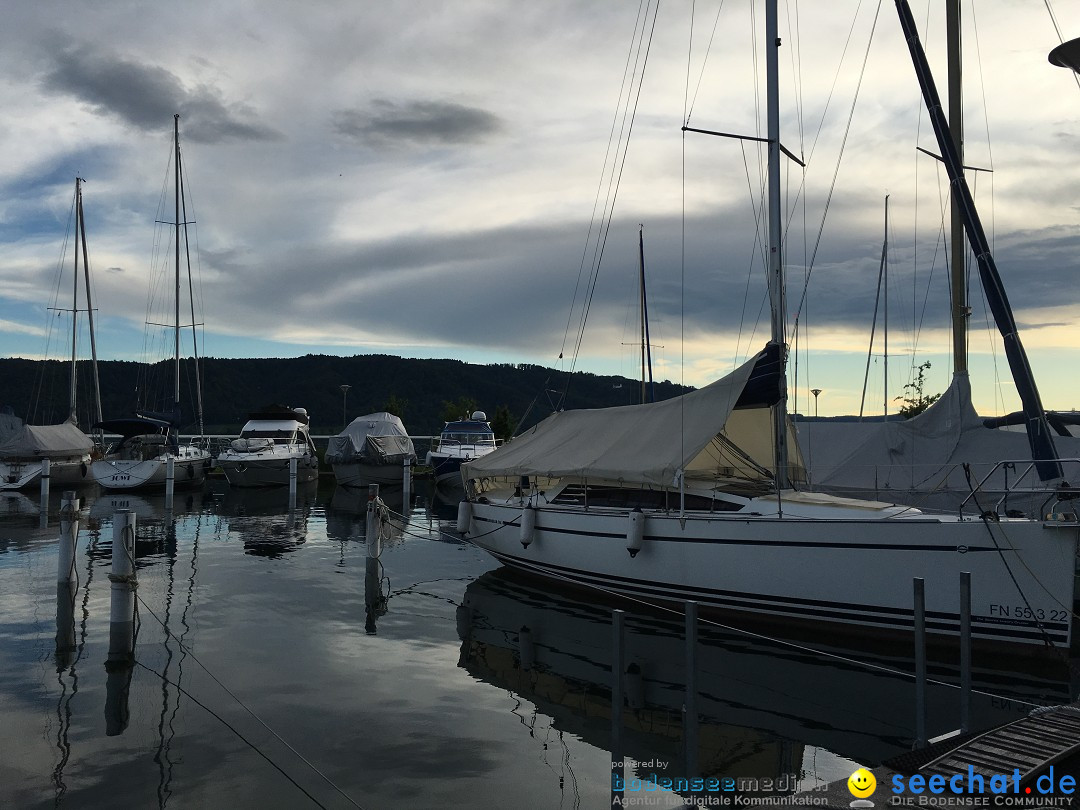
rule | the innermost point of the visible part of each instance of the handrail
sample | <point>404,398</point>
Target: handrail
<point>1028,466</point>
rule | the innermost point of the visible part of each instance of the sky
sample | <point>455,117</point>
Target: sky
<point>428,180</point>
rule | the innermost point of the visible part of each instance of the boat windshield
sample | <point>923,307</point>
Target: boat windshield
<point>279,436</point>
<point>475,439</point>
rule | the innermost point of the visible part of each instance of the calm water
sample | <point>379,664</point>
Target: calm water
<point>275,666</point>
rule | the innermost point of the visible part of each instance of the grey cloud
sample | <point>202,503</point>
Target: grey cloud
<point>144,95</point>
<point>419,123</point>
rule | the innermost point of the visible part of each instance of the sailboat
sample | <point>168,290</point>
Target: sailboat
<point>700,498</point>
<point>66,447</point>
<point>946,457</point>
<point>149,441</point>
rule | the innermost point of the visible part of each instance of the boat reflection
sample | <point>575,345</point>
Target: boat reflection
<point>346,514</point>
<point>764,708</point>
<point>267,520</point>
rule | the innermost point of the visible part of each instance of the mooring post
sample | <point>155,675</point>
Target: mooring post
<point>690,713</point>
<point>170,480</point>
<point>406,485</point>
<point>69,533</point>
<point>292,482</point>
<point>121,659</point>
<point>371,528</point>
<point>920,662</point>
<point>965,651</point>
<point>44,521</point>
<point>618,666</point>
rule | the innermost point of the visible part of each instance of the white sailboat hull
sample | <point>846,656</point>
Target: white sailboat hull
<point>267,469</point>
<point>848,571</point>
<point>189,469</point>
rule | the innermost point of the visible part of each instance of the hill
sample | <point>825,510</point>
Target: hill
<point>419,391</point>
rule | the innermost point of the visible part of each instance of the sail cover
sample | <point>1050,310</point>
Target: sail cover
<point>700,434</point>
<point>46,441</point>
<point>376,438</point>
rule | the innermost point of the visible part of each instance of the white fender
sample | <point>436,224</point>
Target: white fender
<point>635,532</point>
<point>464,517</point>
<point>528,525</point>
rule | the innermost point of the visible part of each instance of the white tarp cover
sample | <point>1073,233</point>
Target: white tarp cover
<point>376,438</point>
<point>922,454</point>
<point>647,444</point>
<point>46,441</point>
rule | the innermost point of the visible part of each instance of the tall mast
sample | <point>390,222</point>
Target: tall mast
<point>176,297</point>
<point>75,300</point>
<point>81,223</point>
<point>958,243</point>
<point>1040,437</point>
<point>777,301</point>
<point>885,275</point>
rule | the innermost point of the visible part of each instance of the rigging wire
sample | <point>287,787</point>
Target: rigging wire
<point>629,116</point>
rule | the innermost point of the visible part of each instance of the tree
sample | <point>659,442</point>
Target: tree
<point>462,409</point>
<point>915,400</point>
<point>396,406</point>
<point>503,423</point>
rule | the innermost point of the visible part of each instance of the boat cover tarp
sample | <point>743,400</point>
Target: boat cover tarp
<point>924,454</point>
<point>46,441</point>
<point>649,444</point>
<point>376,438</point>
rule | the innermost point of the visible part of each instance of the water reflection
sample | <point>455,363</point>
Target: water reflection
<point>763,708</point>
<point>266,520</point>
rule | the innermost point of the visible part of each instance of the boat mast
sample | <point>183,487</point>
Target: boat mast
<point>1041,440</point>
<point>75,303</point>
<point>649,394</point>
<point>81,223</point>
<point>960,310</point>
<point>176,297</point>
<point>777,294</point>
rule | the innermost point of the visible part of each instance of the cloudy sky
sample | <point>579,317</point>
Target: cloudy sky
<point>423,179</point>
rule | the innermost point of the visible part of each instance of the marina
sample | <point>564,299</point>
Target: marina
<point>277,663</point>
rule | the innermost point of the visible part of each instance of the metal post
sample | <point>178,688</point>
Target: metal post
<point>690,713</point>
<point>406,485</point>
<point>920,662</point>
<point>292,482</point>
<point>965,651</point>
<point>170,480</point>
<point>618,666</point>
<point>69,532</point>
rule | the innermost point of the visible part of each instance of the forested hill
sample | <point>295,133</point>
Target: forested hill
<point>419,391</point>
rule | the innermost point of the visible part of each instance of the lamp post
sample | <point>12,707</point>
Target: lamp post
<point>1067,55</point>
<point>344,411</point>
<point>815,392</point>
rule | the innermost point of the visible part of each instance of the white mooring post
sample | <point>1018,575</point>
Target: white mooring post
<point>170,481</point>
<point>920,662</point>
<point>69,533</point>
<point>371,529</point>
<point>292,482</point>
<point>406,486</point>
<point>44,493</point>
<point>121,659</point>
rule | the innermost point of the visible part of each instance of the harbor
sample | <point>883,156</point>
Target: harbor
<point>276,661</point>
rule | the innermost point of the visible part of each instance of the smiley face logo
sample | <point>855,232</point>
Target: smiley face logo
<point>862,783</point>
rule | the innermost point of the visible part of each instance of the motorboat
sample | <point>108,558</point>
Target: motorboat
<point>460,441</point>
<point>373,449</point>
<point>272,442</point>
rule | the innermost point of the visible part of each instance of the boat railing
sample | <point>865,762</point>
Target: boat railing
<point>1023,471</point>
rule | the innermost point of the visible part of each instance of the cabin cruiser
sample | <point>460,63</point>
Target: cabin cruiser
<point>373,449</point>
<point>460,441</point>
<point>269,443</point>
